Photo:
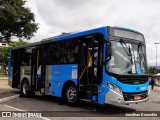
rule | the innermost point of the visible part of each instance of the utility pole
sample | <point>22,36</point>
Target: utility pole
<point>156,54</point>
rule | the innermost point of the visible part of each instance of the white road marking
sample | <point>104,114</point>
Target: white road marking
<point>13,107</point>
<point>24,110</point>
<point>9,98</point>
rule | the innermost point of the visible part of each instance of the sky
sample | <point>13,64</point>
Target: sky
<point>57,16</point>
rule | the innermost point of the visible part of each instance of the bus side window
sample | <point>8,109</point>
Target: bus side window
<point>52,53</point>
<point>55,53</point>
<point>67,53</point>
<point>26,57</point>
<point>76,53</point>
<point>72,51</point>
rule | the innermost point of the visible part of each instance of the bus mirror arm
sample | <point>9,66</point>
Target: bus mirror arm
<point>108,51</point>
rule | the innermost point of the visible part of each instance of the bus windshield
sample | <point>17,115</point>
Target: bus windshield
<point>127,58</point>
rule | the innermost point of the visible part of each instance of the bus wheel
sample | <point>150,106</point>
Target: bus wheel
<point>71,95</point>
<point>24,92</point>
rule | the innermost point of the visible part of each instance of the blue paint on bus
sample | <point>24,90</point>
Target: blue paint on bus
<point>101,30</point>
<point>60,75</point>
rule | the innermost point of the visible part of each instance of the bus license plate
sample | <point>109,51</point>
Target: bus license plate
<point>137,97</point>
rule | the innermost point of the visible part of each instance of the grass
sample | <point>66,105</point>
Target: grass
<point>3,75</point>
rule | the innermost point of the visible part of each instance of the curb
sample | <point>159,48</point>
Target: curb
<point>9,98</point>
<point>3,78</point>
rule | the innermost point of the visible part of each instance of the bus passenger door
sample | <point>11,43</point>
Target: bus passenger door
<point>89,62</point>
<point>35,70</point>
<point>16,68</point>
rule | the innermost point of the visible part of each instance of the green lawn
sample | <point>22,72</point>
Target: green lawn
<point>3,76</point>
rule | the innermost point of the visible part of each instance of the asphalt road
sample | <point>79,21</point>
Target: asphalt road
<point>5,90</point>
<point>83,111</point>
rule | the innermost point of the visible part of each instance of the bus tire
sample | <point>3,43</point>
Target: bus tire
<point>71,95</point>
<point>24,92</point>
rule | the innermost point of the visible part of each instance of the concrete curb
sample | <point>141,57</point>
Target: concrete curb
<point>3,78</point>
<point>9,98</point>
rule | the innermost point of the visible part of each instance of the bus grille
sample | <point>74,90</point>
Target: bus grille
<point>133,80</point>
<point>130,96</point>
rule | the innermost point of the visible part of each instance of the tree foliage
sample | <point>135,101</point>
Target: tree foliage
<point>4,53</point>
<point>16,20</point>
<point>153,70</point>
<point>19,43</point>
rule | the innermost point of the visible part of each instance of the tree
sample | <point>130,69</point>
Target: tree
<point>4,53</point>
<point>153,70</point>
<point>19,43</point>
<point>16,20</point>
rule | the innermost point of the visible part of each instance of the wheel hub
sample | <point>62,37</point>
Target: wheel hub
<point>25,89</point>
<point>71,94</point>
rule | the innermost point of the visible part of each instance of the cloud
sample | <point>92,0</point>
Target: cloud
<point>57,16</point>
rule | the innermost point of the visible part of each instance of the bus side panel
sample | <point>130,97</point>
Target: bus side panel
<point>60,75</point>
<point>48,79</point>
<point>25,72</point>
<point>103,87</point>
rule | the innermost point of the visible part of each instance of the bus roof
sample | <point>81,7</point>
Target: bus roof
<point>66,36</point>
<point>78,34</point>
<point>102,30</point>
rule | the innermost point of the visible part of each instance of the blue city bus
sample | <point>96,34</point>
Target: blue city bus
<point>106,65</point>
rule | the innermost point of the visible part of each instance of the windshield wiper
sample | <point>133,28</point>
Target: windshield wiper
<point>128,52</point>
<point>139,53</point>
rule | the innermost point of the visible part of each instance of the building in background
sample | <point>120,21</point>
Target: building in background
<point>3,45</point>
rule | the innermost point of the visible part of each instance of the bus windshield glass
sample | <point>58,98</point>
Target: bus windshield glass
<point>127,58</point>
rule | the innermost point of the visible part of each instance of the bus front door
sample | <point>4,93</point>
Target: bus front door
<point>89,62</point>
<point>36,70</point>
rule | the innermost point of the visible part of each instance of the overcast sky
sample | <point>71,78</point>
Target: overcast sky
<point>57,16</point>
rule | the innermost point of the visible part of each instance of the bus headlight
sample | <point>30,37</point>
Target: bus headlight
<point>117,89</point>
<point>110,86</point>
<point>114,87</point>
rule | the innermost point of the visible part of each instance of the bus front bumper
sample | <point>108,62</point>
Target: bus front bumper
<point>112,97</point>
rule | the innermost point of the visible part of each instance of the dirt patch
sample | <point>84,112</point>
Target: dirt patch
<point>4,84</point>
